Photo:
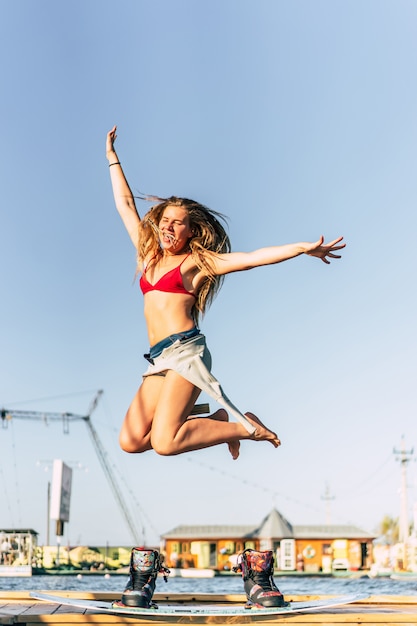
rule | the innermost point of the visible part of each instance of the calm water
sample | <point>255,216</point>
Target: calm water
<point>222,584</point>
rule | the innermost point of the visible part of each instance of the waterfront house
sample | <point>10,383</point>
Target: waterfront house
<point>17,551</point>
<point>308,548</point>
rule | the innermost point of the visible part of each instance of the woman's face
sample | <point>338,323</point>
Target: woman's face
<point>175,229</point>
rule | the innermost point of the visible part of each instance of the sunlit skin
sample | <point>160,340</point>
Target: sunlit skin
<point>158,417</point>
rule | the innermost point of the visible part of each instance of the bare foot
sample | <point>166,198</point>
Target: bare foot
<point>234,445</point>
<point>220,415</point>
<point>262,433</point>
<point>234,448</point>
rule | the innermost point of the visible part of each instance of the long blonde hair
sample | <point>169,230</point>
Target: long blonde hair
<point>209,238</point>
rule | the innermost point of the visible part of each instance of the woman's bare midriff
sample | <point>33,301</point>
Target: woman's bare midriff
<point>166,314</point>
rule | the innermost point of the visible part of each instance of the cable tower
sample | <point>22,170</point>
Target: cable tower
<point>328,498</point>
<point>66,418</point>
<point>404,457</point>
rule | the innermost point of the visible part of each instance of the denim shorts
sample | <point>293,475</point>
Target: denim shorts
<point>157,349</point>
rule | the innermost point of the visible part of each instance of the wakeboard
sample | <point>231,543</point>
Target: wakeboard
<point>189,609</point>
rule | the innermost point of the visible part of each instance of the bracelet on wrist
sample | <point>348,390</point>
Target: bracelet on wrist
<point>115,163</point>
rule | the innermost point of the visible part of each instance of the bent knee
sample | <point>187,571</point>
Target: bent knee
<point>133,445</point>
<point>163,446</point>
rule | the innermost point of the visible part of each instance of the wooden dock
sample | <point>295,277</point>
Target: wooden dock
<point>19,608</point>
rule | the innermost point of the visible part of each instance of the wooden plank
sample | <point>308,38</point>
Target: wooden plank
<point>323,619</point>
<point>13,608</point>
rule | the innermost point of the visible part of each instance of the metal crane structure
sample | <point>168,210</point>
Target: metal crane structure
<point>66,418</point>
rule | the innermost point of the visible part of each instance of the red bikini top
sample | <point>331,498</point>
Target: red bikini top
<point>171,282</point>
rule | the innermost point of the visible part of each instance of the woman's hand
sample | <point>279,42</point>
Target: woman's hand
<point>111,138</point>
<point>321,250</point>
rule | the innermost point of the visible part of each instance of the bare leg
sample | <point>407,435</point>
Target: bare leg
<point>222,416</point>
<point>159,418</point>
<point>172,433</point>
<point>136,428</point>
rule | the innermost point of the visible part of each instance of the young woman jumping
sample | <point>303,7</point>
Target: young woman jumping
<point>183,253</point>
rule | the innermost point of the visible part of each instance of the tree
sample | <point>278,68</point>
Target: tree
<point>389,527</point>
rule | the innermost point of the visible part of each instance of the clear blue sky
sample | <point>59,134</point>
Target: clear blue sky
<point>295,118</point>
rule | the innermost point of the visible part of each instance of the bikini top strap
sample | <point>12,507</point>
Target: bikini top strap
<point>189,254</point>
<point>145,267</point>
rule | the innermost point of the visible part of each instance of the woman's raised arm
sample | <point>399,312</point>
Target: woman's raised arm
<point>123,197</point>
<point>239,261</point>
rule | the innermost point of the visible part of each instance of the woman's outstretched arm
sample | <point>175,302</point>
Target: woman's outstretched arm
<point>239,261</point>
<point>123,197</point>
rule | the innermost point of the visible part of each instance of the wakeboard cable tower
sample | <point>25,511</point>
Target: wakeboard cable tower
<point>66,418</point>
